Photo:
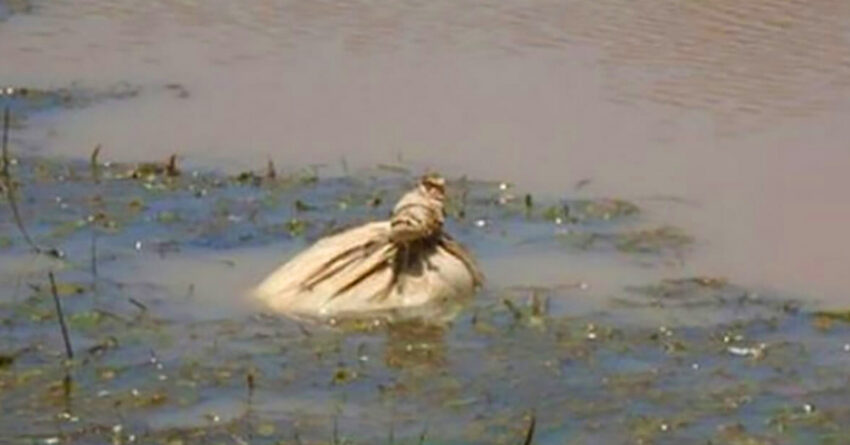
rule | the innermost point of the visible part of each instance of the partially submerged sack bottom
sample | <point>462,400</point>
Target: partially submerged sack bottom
<point>360,272</point>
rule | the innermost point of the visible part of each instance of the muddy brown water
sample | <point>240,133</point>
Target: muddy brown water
<point>167,350</point>
<point>723,118</point>
<point>738,110</point>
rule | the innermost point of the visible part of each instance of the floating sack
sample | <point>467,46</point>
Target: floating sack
<point>402,265</point>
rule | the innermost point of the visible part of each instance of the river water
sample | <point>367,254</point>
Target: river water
<point>728,119</point>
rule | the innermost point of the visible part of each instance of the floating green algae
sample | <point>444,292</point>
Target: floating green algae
<point>24,101</point>
<point>757,368</point>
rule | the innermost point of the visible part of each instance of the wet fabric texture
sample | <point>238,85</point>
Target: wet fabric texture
<point>405,264</point>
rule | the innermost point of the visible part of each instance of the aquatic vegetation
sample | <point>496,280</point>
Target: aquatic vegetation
<point>24,101</point>
<point>716,362</point>
<point>582,210</point>
<point>655,240</point>
<point>12,7</point>
<point>266,379</point>
<point>827,317</point>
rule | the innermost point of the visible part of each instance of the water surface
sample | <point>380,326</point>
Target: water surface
<point>738,110</point>
<point>150,263</point>
<point>722,122</point>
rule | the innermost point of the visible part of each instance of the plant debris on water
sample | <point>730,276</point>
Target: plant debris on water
<point>11,7</point>
<point>719,364</point>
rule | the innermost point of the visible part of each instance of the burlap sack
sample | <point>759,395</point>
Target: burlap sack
<point>404,264</point>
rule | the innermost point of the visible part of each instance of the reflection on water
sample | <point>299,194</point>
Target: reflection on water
<point>738,108</point>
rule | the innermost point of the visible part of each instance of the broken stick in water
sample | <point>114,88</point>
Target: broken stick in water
<point>61,315</point>
<point>9,184</point>
<point>529,434</point>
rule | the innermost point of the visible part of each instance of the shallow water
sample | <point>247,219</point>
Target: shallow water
<point>737,109</point>
<point>723,123</point>
<point>151,265</point>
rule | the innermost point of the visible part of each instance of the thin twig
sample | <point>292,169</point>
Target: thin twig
<point>391,438</point>
<point>6,123</point>
<point>529,435</point>
<point>423,435</point>
<point>512,308</point>
<point>271,172</point>
<point>95,166</point>
<point>16,214</point>
<point>61,315</point>
<point>67,387</point>
<point>94,261</point>
<point>249,379</point>
<point>9,184</point>
<point>171,166</point>
<point>344,163</point>
<point>335,437</point>
<point>95,176</point>
<point>138,304</point>
<point>93,252</point>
